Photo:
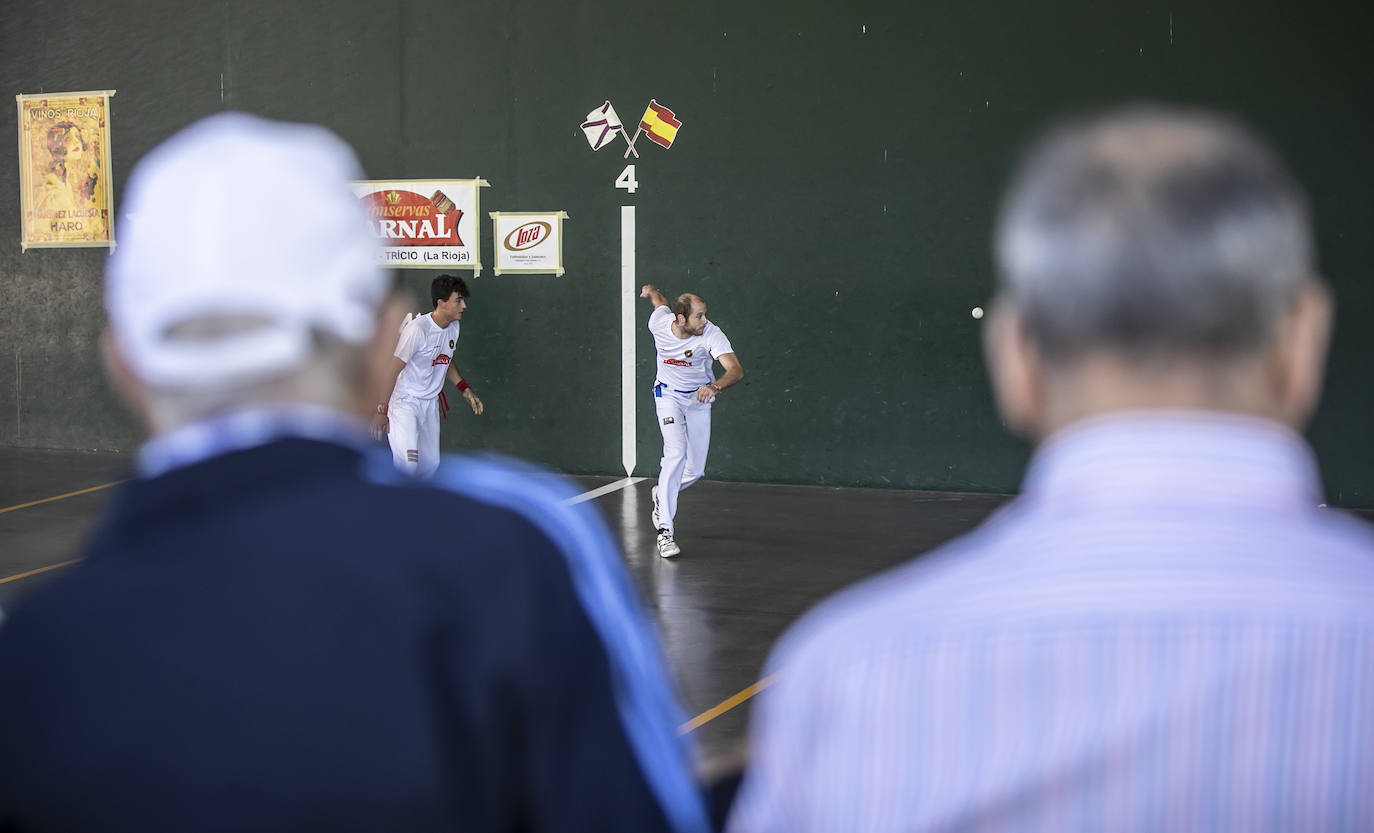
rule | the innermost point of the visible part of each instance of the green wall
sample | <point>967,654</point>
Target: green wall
<point>830,194</point>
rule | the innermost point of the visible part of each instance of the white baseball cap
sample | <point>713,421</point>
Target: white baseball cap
<point>238,216</point>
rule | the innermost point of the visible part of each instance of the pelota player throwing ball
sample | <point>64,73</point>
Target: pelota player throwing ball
<point>684,388</point>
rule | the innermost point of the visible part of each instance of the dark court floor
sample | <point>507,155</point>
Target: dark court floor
<point>754,557</point>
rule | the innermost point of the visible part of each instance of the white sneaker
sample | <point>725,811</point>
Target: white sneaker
<point>667,547</point>
<point>653,495</point>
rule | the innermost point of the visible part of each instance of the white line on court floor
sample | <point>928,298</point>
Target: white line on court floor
<point>605,490</point>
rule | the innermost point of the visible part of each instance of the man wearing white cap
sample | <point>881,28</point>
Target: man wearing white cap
<point>248,645</point>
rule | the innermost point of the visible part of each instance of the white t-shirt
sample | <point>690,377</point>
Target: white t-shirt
<point>684,364</point>
<point>427,350</point>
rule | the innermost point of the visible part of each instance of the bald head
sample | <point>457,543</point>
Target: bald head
<point>683,305</point>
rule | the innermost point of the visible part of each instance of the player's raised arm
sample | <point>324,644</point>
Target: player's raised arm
<point>658,299</point>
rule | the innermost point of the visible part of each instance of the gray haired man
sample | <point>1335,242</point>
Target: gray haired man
<point>1163,631</point>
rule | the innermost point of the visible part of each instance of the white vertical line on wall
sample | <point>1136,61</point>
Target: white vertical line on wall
<point>627,338</point>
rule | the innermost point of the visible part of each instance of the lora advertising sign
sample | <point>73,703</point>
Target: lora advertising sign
<point>529,242</point>
<point>425,223</point>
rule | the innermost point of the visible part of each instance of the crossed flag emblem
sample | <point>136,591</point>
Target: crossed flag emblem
<point>658,123</point>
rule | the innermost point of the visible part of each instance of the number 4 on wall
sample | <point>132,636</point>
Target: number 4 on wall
<point>627,179</point>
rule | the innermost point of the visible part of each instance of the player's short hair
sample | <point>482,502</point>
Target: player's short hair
<point>1153,233</point>
<point>683,305</point>
<point>445,285</point>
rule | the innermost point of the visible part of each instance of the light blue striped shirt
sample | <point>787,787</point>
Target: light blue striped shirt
<point>1163,632</point>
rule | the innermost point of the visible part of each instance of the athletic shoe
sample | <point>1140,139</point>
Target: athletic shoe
<point>653,495</point>
<point>667,547</point>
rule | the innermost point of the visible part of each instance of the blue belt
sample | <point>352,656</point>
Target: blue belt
<point>660,387</point>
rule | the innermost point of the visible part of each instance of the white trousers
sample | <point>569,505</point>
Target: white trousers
<point>686,427</point>
<point>414,434</point>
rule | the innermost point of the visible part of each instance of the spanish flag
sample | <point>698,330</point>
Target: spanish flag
<point>660,123</point>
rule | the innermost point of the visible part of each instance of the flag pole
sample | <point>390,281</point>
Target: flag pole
<point>632,141</point>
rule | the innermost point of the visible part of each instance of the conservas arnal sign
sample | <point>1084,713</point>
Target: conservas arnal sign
<point>528,242</point>
<point>425,223</point>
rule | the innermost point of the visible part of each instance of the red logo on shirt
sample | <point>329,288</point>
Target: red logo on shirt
<point>441,359</point>
<point>677,362</point>
<point>688,354</point>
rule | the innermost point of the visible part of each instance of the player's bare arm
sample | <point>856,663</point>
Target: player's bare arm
<point>734,372</point>
<point>655,297</point>
<point>458,382</point>
<point>379,419</point>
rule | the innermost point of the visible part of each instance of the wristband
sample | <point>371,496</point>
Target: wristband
<point>462,385</point>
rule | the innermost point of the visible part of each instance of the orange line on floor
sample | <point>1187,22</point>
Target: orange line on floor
<point>726,705</point>
<point>59,497</point>
<point>39,570</point>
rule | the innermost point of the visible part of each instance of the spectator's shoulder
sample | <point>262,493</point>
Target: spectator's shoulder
<point>893,606</point>
<point>506,493</point>
<point>1347,530</point>
<point>507,483</point>
<point>64,603</point>
<point>1341,549</point>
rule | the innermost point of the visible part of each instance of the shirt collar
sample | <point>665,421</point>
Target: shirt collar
<point>199,441</point>
<point>1175,456</point>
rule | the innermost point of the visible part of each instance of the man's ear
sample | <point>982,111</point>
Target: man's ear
<point>1015,369</point>
<point>123,380</point>
<point>1299,354</point>
<point>379,353</point>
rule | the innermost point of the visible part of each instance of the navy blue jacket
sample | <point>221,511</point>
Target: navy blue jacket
<point>294,637</point>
